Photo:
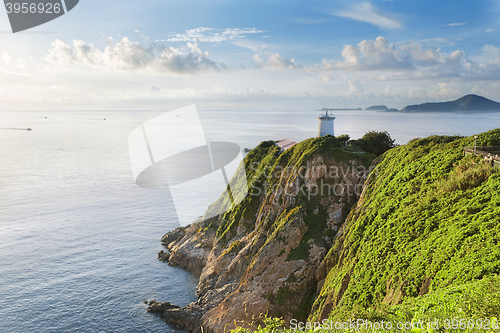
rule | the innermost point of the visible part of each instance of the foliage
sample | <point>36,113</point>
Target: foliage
<point>270,325</point>
<point>343,139</point>
<point>426,234</point>
<point>375,142</point>
<point>477,302</point>
<point>429,214</point>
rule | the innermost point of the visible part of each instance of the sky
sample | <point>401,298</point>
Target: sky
<point>244,55</point>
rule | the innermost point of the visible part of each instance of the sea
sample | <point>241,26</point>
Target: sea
<point>79,239</point>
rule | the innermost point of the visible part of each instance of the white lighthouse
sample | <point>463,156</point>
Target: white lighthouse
<point>325,124</point>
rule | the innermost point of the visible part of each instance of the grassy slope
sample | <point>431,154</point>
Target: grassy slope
<point>472,300</point>
<point>430,213</point>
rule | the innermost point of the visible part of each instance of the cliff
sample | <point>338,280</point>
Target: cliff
<point>266,254</point>
<point>468,103</point>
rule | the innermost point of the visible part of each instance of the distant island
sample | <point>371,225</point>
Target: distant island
<point>377,108</point>
<point>468,103</point>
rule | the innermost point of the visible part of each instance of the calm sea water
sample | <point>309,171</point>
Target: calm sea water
<point>78,239</point>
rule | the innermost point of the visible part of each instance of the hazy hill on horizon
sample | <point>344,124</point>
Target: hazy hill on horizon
<point>469,102</point>
<point>377,108</point>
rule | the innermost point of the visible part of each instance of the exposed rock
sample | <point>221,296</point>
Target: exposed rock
<point>186,318</point>
<point>163,256</point>
<point>189,248</point>
<point>159,307</point>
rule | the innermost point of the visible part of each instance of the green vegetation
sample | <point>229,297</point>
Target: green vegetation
<point>375,142</point>
<point>258,167</point>
<point>477,301</point>
<point>422,245</point>
<point>343,139</point>
<point>429,220</point>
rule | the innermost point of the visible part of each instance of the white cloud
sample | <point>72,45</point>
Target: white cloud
<point>126,55</point>
<point>6,58</point>
<point>366,12</point>
<point>211,35</point>
<point>260,63</point>
<point>276,61</point>
<point>487,53</point>
<point>355,87</point>
<point>491,30</point>
<point>405,61</point>
<point>456,24</point>
<point>371,55</point>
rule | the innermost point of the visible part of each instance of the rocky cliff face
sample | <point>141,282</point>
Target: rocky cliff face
<point>266,254</point>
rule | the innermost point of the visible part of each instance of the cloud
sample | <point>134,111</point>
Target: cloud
<point>491,30</point>
<point>457,24</point>
<point>355,87</point>
<point>408,61</point>
<point>366,12</point>
<point>255,47</point>
<point>487,53</point>
<point>126,55</point>
<point>371,55</point>
<point>211,35</point>
<point>276,61</point>
<point>6,58</point>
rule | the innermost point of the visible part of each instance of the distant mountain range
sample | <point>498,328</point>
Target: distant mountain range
<point>469,103</point>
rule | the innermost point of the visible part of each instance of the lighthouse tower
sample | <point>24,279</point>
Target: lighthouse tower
<point>325,124</point>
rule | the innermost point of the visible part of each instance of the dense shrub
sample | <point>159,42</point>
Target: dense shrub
<point>375,142</point>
